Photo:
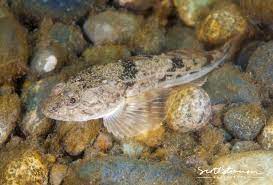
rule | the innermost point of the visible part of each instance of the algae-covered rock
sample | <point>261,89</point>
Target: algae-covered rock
<point>63,10</point>
<point>222,23</point>
<point>149,39</point>
<point>151,138</point>
<point>246,52</point>
<point>245,121</point>
<point>139,5</point>
<point>105,54</point>
<point>192,11</point>
<point>13,47</point>
<point>7,88</point>
<point>34,123</point>
<point>188,109</point>
<point>180,37</point>
<point>227,84</point>
<point>258,11</point>
<point>104,142</point>
<point>246,168</point>
<point>261,64</point>
<point>211,146</point>
<point>132,149</point>
<point>242,146</point>
<point>69,36</point>
<point>177,144</point>
<point>57,173</point>
<point>119,170</point>
<point>111,27</point>
<point>77,136</point>
<point>266,137</point>
<point>23,165</point>
<point>10,110</point>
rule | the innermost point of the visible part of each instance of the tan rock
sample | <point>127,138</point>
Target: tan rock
<point>23,165</point>
<point>222,23</point>
<point>57,173</point>
<point>77,135</point>
<point>266,137</point>
<point>188,109</point>
<point>10,110</point>
<point>245,168</point>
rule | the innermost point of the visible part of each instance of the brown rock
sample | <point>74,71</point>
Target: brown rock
<point>224,22</point>
<point>76,136</point>
<point>10,109</point>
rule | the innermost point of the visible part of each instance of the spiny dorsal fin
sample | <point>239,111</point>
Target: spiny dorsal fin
<point>137,115</point>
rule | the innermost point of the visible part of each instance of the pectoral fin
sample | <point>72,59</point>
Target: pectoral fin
<point>137,115</point>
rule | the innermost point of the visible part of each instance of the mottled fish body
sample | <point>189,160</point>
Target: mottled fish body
<point>129,94</point>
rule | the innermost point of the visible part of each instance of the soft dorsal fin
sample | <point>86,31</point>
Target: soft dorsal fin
<point>137,114</point>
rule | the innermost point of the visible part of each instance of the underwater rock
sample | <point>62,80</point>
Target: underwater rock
<point>23,164</point>
<point>191,11</point>
<point>151,138</point>
<point>258,11</point>
<point>242,146</point>
<point>222,23</point>
<point>247,51</point>
<point>10,110</point>
<point>7,88</point>
<point>211,145</point>
<point>65,41</point>
<point>62,10</point>
<point>254,167</point>
<point>228,85</point>
<point>149,39</point>
<point>105,54</point>
<point>57,174</point>
<point>34,123</point>
<point>76,136</point>
<point>178,37</point>
<point>245,121</point>
<point>188,109</point>
<point>119,170</point>
<point>266,137</point>
<point>13,47</point>
<point>68,36</point>
<point>104,142</point>
<point>132,149</point>
<point>177,144</point>
<point>227,136</point>
<point>261,64</point>
<point>111,27</point>
<point>138,5</point>
<point>47,60</point>
<point>163,9</point>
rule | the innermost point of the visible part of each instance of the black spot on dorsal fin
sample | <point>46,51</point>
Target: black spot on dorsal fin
<point>129,71</point>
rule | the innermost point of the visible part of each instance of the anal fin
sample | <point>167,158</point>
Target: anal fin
<point>138,114</point>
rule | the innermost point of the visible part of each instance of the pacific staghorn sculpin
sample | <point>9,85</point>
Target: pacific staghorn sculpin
<point>129,95</point>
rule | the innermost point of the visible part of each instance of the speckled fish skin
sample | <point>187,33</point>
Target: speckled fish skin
<point>101,90</point>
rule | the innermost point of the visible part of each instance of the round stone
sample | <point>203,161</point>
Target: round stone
<point>188,109</point>
<point>245,121</point>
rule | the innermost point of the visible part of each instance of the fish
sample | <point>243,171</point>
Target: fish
<point>130,94</point>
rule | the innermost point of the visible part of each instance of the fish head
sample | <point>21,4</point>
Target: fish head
<point>77,104</point>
